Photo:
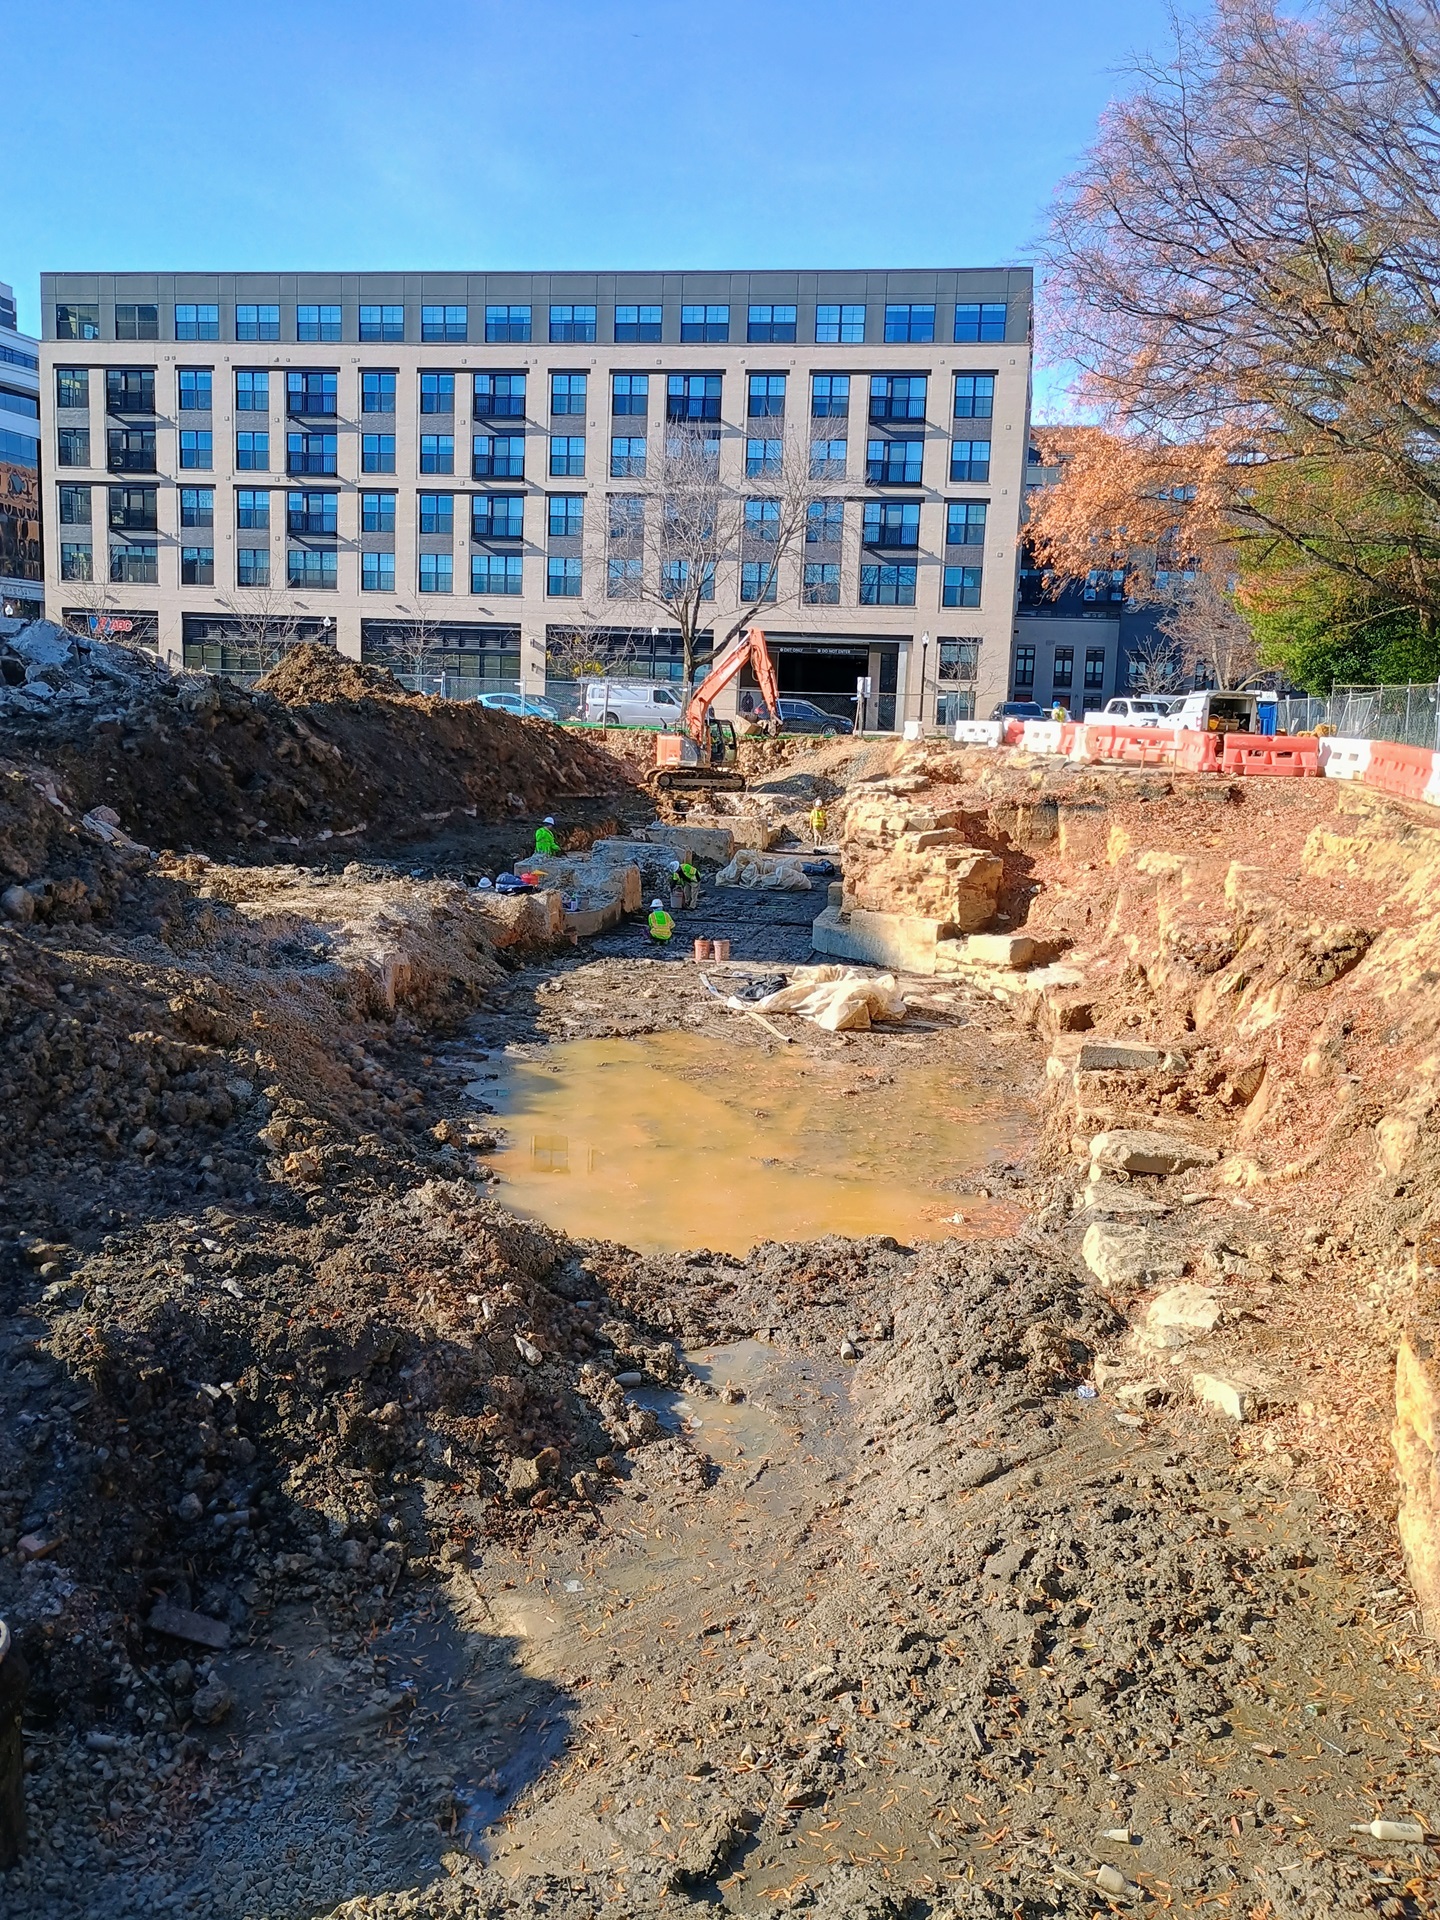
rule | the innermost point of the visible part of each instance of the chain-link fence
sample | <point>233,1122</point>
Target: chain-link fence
<point>1408,714</point>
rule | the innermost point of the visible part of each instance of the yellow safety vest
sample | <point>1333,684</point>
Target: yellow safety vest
<point>661,926</point>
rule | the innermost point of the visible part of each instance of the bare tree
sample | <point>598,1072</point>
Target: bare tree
<point>1155,665</point>
<point>264,622</point>
<point>588,646</point>
<point>415,644</point>
<point>1207,634</point>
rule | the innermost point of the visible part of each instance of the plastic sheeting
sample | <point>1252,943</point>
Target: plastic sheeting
<point>775,872</point>
<point>840,999</point>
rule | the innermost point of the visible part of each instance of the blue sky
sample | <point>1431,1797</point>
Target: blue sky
<point>286,134</point>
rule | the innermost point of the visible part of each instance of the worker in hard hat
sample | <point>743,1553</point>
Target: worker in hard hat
<point>817,823</point>
<point>689,876</point>
<point>660,923</point>
<point>545,841</point>
<point>677,887</point>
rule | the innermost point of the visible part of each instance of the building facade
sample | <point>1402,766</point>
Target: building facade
<point>354,453</point>
<point>22,563</point>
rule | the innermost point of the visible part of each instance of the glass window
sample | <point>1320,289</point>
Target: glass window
<point>195,449</point>
<point>310,453</point>
<point>829,395</point>
<point>626,522</point>
<point>252,452</point>
<point>312,393</point>
<point>197,506</point>
<point>377,513</point>
<point>257,323</point>
<point>499,456</point>
<point>437,573</point>
<point>499,396</point>
<point>195,389</point>
<point>632,324</point>
<point>130,449</point>
<point>567,393</point>
<point>197,566</point>
<point>827,459</point>
<point>72,447</point>
<point>196,322</point>
<point>137,561</point>
<point>959,660</point>
<point>567,455</point>
<point>377,573</point>
<point>824,523</point>
<point>252,508</point>
<point>623,578</point>
<point>437,513</point>
<point>897,396</point>
<point>894,463</point>
<point>675,579</point>
<point>504,323</point>
<point>312,567</point>
<point>572,323</point>
<point>136,322</point>
<point>821,583</point>
<point>965,523</point>
<point>74,506</point>
<point>130,390</point>
<point>1094,669</point>
<point>762,457</point>
<point>1024,667</point>
<point>444,323</point>
<point>627,456</point>
<point>133,508</point>
<point>758,580</point>
<point>312,513</point>
<point>955,705</point>
<point>77,323</point>
<point>77,560</point>
<point>767,395</point>
<point>1062,673</point>
<point>377,392</point>
<point>566,516</point>
<point>252,566</point>
<point>961,587</point>
<point>317,323</point>
<point>377,453</point>
<point>969,459</point>
<point>437,393</point>
<point>252,392</point>
<point>497,516</point>
<point>887,586</point>
<point>693,396</point>
<point>974,396</point>
<point>630,393</point>
<point>980,320</point>
<point>705,323</point>
<point>382,323</point>
<point>72,387</point>
<point>834,325</point>
<point>892,523</point>
<point>496,573</point>
<point>910,321</point>
<point>773,324</point>
<point>762,520</point>
<point>562,578</point>
<point>437,453</point>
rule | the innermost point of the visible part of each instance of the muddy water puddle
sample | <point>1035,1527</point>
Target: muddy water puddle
<point>671,1141</point>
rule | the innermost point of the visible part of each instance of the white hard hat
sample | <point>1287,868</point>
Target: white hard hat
<point>655,907</point>
<point>549,819</point>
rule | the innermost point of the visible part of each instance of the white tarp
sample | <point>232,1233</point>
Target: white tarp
<point>776,872</point>
<point>840,999</point>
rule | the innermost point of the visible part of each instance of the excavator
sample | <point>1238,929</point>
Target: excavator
<point>695,760</point>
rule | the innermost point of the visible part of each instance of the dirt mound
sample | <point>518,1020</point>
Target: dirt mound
<point>309,673</point>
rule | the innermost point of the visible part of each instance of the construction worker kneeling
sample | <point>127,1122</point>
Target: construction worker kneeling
<point>660,923</point>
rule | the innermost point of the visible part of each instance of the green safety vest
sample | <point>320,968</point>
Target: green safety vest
<point>661,925</point>
<point>689,874</point>
<point>545,841</point>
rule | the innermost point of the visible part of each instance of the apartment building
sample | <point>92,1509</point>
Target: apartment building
<point>358,455</point>
<point>22,568</point>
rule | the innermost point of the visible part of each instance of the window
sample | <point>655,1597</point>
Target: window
<point>136,322</point>
<point>897,396</point>
<point>829,395</point>
<point>252,452</point>
<point>627,457</point>
<point>496,573</point>
<point>892,523</point>
<point>497,516</point>
<point>959,660</point>
<point>910,322</point>
<point>770,324</point>
<point>437,453</point>
<point>965,523</point>
<point>77,323</point>
<point>960,587</point>
<point>252,566</point>
<point>312,567</point>
<point>312,513</point>
<point>195,448</point>
<point>957,704</point>
<point>310,453</point>
<point>130,449</point>
<point>197,566</point>
<point>135,561</point>
<point>834,325</point>
<point>693,396</point>
<point>821,584</point>
<point>762,457</point>
<point>311,393</point>
<point>77,560</point>
<point>705,323</point>
<point>195,389</point>
<point>382,323</point>
<point>507,323</point>
<point>567,455</point>
<point>317,323</point>
<point>824,523</point>
<point>626,526</point>
<point>377,393</point>
<point>197,322</point>
<point>894,463</point>
<point>72,387</point>
<point>623,578</point>
<point>767,396</point>
<point>757,580</point>
<point>1024,667</point>
<point>437,513</point>
<point>1062,673</point>
<point>72,447</point>
<point>130,390</point>
<point>974,396</point>
<point>969,459</point>
<point>887,586</point>
<point>437,393</point>
<point>377,453</point>
<point>632,324</point>
<point>197,506</point>
<point>566,516</point>
<point>16,400</point>
<point>257,323</point>
<point>827,459</point>
<point>437,573</point>
<point>499,396</point>
<point>132,509</point>
<point>562,578</point>
<point>445,323</point>
<point>377,512</point>
<point>74,506</point>
<point>675,579</point>
<point>572,323</point>
<point>980,321</point>
<point>630,393</point>
<point>762,521</point>
<point>252,392</point>
<point>1094,669</point>
<point>377,573</point>
<point>252,509</point>
<point>567,393</point>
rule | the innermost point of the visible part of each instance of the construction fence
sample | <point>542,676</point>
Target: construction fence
<point>1408,715</point>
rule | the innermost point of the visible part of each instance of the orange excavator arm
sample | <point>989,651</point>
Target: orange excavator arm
<point>751,649</point>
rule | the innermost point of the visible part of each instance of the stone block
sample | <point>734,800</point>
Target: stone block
<point>1416,1439</point>
<point>1120,1056</point>
<point>1189,1309</point>
<point>1138,1150</point>
<point>999,949</point>
<point>1227,1396</point>
<point>1125,1258</point>
<point>899,941</point>
<point>714,844</point>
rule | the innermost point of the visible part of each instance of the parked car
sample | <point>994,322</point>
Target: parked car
<point>799,716</point>
<point>1018,710</point>
<point>1151,711</point>
<point>633,703</point>
<point>525,706</point>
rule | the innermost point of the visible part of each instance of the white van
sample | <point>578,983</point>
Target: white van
<point>1151,710</point>
<point>633,703</point>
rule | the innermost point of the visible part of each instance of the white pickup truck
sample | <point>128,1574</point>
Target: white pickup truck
<point>1153,711</point>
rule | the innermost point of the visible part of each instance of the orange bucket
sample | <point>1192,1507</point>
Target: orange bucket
<point>702,949</point>
<point>720,949</point>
